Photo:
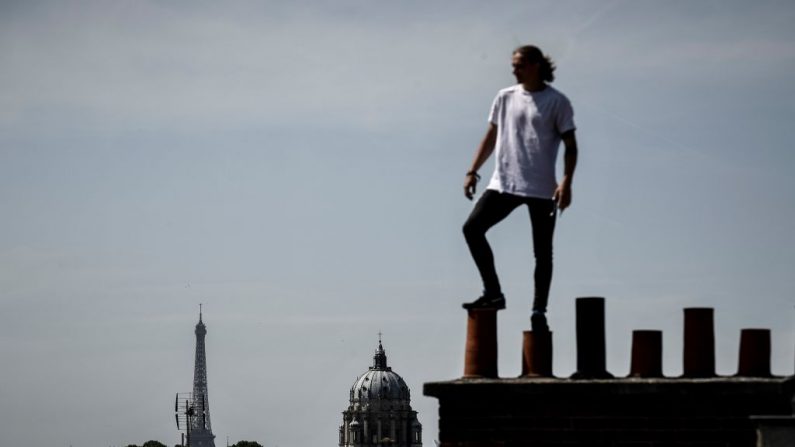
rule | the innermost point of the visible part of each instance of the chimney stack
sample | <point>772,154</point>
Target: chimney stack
<point>480,359</point>
<point>699,342</point>
<point>537,354</point>
<point>591,339</point>
<point>754,358</point>
<point>646,354</point>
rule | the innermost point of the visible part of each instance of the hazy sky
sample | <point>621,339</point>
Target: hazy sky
<point>299,170</point>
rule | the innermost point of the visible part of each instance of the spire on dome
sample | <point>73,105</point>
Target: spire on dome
<point>379,360</point>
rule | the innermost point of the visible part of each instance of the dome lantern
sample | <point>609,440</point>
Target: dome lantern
<point>379,359</point>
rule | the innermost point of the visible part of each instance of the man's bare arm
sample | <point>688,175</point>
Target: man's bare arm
<point>563,191</point>
<point>483,153</point>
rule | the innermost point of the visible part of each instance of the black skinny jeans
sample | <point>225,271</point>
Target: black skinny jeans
<point>493,207</point>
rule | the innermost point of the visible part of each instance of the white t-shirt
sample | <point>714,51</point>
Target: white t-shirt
<point>529,126</point>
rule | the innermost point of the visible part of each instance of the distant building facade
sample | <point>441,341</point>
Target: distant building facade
<point>379,413</point>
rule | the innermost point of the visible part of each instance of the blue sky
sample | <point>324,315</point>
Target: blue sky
<point>298,169</point>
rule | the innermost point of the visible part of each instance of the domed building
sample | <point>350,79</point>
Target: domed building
<point>380,411</point>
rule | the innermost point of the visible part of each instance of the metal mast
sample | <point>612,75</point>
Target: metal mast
<point>201,434</point>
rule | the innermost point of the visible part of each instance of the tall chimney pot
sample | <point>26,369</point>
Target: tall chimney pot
<point>591,339</point>
<point>480,357</point>
<point>699,342</point>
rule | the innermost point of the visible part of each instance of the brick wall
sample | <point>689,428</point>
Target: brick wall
<point>549,412</point>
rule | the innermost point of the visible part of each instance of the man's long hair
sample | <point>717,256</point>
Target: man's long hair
<point>532,54</point>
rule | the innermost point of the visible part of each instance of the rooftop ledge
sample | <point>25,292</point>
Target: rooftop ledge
<point>629,385</point>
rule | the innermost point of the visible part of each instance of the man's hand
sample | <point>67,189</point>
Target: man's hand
<point>485,149</point>
<point>563,192</point>
<point>470,182</point>
<point>562,195</point>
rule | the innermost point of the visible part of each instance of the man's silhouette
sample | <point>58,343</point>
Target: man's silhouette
<point>527,122</point>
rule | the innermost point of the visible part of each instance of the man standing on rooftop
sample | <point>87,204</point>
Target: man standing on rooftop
<point>527,122</point>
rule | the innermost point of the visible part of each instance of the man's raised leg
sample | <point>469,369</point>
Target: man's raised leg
<point>491,208</point>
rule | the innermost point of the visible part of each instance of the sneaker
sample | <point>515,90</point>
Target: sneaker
<point>496,302</point>
<point>538,322</point>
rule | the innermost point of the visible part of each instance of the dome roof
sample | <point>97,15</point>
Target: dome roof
<point>379,383</point>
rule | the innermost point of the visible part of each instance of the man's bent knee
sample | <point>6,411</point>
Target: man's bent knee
<point>472,230</point>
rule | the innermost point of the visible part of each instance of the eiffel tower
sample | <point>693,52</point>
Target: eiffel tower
<point>201,434</point>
